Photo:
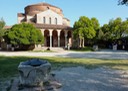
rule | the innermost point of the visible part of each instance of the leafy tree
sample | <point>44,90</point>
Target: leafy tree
<point>115,28</point>
<point>124,28</point>
<point>2,24</point>
<point>105,34</point>
<point>100,35</point>
<point>24,34</point>
<point>84,29</point>
<point>96,27</point>
<point>95,23</point>
<point>123,2</point>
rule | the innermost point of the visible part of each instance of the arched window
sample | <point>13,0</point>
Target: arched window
<point>50,20</point>
<point>56,21</point>
<point>44,20</point>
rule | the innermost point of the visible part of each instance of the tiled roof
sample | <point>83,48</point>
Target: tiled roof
<point>21,14</point>
<point>43,4</point>
<point>49,26</point>
<point>7,27</point>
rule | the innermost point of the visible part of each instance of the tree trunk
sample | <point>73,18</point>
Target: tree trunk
<point>83,43</point>
<point>80,42</point>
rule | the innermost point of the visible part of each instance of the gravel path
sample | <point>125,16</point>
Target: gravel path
<point>100,79</point>
<point>104,54</point>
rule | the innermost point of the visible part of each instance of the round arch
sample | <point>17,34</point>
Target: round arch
<point>62,38</point>
<point>69,34</point>
<point>46,38</point>
<point>55,38</point>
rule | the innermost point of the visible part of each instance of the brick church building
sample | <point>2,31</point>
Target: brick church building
<point>52,23</point>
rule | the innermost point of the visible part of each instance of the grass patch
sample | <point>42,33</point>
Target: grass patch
<point>41,51</point>
<point>86,48</point>
<point>9,65</point>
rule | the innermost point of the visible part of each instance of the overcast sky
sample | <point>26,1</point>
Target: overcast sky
<point>103,10</point>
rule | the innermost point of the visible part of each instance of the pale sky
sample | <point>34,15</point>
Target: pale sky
<point>103,10</point>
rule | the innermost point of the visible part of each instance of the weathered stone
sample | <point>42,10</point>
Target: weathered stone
<point>34,72</point>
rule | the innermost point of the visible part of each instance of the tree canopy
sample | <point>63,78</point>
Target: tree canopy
<point>24,34</point>
<point>123,2</point>
<point>115,29</point>
<point>84,28</point>
<point>2,24</point>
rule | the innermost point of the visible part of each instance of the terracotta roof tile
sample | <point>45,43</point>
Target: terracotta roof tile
<point>21,14</point>
<point>48,26</point>
<point>7,27</point>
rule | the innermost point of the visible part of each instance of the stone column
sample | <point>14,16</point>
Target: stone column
<point>42,31</point>
<point>58,31</point>
<point>50,37</point>
<point>66,40</point>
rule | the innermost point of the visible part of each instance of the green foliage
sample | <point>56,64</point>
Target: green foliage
<point>95,24</point>
<point>123,2</point>
<point>2,24</point>
<point>24,34</point>
<point>100,34</point>
<point>124,27</point>
<point>114,26</point>
<point>84,28</point>
<point>114,29</point>
<point>106,33</point>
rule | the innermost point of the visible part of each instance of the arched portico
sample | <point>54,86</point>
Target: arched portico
<point>62,38</point>
<point>46,38</point>
<point>56,38</point>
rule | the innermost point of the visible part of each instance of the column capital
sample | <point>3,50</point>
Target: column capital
<point>58,32</point>
<point>50,30</point>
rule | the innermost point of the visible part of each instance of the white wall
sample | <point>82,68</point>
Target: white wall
<point>49,14</point>
<point>20,19</point>
<point>66,22</point>
<point>29,17</point>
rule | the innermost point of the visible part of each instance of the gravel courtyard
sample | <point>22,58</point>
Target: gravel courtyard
<point>82,79</point>
<point>99,79</point>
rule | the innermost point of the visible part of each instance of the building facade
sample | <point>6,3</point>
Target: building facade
<point>52,23</point>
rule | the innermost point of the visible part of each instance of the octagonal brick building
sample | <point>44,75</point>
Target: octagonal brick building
<point>52,23</point>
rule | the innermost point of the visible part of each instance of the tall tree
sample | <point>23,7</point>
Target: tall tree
<point>95,23</point>
<point>115,28</point>
<point>124,28</point>
<point>105,33</point>
<point>24,34</point>
<point>2,24</point>
<point>84,29</point>
<point>96,27</point>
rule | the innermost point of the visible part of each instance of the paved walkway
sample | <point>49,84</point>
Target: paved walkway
<point>104,54</point>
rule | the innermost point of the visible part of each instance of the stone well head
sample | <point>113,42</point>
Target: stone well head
<point>34,72</point>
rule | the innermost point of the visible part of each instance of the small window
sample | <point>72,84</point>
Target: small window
<point>56,21</point>
<point>44,20</point>
<point>50,20</point>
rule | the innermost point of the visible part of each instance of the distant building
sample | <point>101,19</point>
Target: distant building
<point>51,21</point>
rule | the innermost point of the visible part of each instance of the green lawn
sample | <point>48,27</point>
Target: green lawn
<point>86,48</point>
<point>9,65</point>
